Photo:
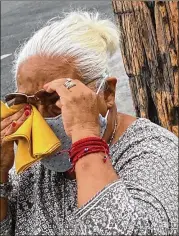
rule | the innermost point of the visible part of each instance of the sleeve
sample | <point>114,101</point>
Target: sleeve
<point>7,226</point>
<point>115,211</point>
<point>144,199</point>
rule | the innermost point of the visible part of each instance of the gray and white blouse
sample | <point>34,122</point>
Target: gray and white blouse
<point>143,201</point>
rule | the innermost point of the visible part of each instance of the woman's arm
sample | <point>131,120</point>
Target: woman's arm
<point>143,201</point>
<point>93,175</point>
<point>91,172</point>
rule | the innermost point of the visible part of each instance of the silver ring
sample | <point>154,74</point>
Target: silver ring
<point>69,84</point>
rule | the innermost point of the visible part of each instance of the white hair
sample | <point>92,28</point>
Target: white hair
<point>82,35</point>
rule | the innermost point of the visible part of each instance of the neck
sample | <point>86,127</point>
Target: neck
<point>123,122</point>
<point>111,124</point>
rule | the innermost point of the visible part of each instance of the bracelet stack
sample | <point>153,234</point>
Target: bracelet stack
<point>87,146</point>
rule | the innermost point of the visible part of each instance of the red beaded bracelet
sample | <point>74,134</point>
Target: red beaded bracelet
<point>87,146</point>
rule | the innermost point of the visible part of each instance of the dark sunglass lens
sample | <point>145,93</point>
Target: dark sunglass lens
<point>15,99</point>
<point>9,97</point>
<point>47,98</point>
<point>10,102</point>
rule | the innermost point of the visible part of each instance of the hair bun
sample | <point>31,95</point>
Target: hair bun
<point>97,27</point>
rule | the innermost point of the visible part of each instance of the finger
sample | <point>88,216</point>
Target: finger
<point>11,129</point>
<point>24,117</point>
<point>57,81</point>
<point>17,123</point>
<point>7,121</point>
<point>57,86</point>
<point>62,81</point>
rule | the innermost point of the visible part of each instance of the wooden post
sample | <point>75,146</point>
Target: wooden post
<point>149,46</point>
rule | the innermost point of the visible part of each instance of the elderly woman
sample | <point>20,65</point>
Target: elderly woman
<point>132,193</point>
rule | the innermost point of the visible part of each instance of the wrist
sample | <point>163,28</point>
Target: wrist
<point>95,147</point>
<point>81,132</point>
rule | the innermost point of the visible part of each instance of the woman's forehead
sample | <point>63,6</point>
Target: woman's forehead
<point>39,70</point>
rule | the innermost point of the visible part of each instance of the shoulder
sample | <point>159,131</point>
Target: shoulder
<point>146,159</point>
<point>144,139</point>
<point>143,129</point>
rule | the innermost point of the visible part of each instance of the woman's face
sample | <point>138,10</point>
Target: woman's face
<point>39,70</point>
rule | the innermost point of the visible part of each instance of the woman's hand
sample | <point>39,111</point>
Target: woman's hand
<point>9,125</point>
<point>79,107</point>
<point>80,115</point>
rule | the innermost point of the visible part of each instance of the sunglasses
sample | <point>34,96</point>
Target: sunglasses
<point>40,97</point>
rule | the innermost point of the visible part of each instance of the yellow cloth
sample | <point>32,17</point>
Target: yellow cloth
<point>35,138</point>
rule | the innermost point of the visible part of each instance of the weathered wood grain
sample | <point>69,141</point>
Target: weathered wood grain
<point>149,46</point>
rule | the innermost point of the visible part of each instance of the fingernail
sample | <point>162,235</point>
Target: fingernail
<point>27,107</point>
<point>14,124</point>
<point>27,113</point>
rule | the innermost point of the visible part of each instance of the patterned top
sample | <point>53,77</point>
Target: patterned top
<point>142,202</point>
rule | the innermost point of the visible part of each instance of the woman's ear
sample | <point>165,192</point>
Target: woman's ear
<point>110,91</point>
